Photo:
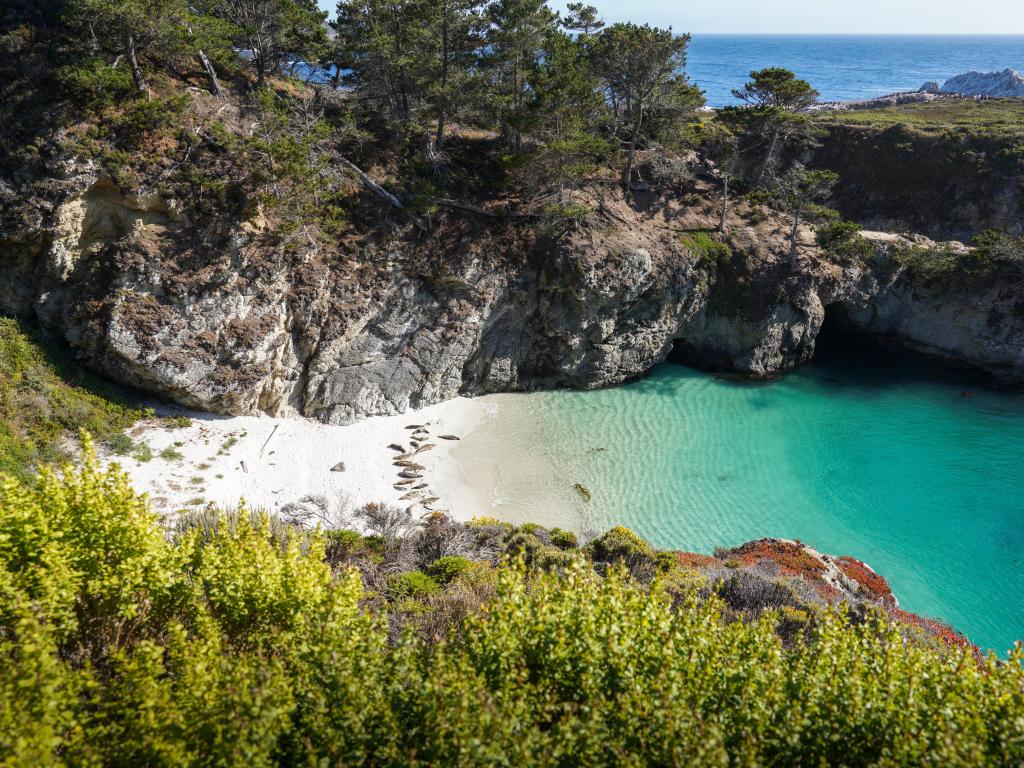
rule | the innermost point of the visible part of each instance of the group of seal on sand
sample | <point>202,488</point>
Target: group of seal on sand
<point>411,473</point>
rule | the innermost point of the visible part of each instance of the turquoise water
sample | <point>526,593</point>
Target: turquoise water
<point>866,454</point>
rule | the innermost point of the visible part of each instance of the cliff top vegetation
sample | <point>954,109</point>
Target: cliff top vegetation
<point>244,639</point>
<point>988,117</point>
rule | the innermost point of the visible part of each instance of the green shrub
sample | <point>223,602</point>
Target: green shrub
<point>142,453</point>
<point>121,444</point>
<point>837,233</point>
<point>413,584</point>
<point>342,543</point>
<point>564,539</point>
<point>93,84</point>
<point>45,398</point>
<point>234,643</point>
<point>707,249</point>
<point>992,250</point>
<point>619,544</point>
<point>843,239</point>
<point>170,453</point>
<point>142,118</point>
<point>445,570</point>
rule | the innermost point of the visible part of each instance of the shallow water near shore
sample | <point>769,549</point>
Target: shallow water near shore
<point>865,453</point>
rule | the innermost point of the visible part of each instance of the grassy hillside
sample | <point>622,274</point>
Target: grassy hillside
<point>45,398</point>
<point>996,117</point>
<point>242,642</point>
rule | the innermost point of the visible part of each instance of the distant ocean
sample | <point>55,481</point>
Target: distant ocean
<point>846,67</point>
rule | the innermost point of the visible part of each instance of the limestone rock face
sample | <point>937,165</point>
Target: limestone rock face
<point>217,316</point>
<point>1006,84</point>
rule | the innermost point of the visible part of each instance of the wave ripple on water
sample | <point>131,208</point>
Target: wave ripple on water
<point>879,458</point>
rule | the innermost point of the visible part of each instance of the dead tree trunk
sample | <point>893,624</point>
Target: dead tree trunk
<point>137,77</point>
<point>382,193</point>
<point>794,235</point>
<point>725,204</point>
<point>211,73</point>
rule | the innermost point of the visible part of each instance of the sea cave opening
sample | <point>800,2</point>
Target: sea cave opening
<point>841,348</point>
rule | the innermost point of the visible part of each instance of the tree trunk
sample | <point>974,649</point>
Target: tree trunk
<point>137,77</point>
<point>261,68</point>
<point>442,105</point>
<point>725,204</point>
<point>768,157</point>
<point>627,177</point>
<point>211,74</point>
<point>793,237</point>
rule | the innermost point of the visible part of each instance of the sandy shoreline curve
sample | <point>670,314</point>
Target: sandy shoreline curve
<point>272,462</point>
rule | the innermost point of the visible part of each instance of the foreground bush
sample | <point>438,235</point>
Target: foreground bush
<point>236,643</point>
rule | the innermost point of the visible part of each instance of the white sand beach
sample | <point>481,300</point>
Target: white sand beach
<point>273,462</point>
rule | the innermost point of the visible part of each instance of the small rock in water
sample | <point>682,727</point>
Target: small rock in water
<point>415,426</point>
<point>398,487</point>
<point>410,474</point>
<point>402,463</point>
<point>426,447</point>
<point>410,495</point>
<point>449,437</point>
<point>418,487</point>
<point>404,482</point>
<point>339,467</point>
<point>413,465</point>
<point>583,491</point>
<point>396,447</point>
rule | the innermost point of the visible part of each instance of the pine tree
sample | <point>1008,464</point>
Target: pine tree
<point>642,70</point>
<point>515,44</point>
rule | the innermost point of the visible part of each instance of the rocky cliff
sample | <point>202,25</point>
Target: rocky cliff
<point>219,316</point>
<point>1006,84</point>
<point>947,185</point>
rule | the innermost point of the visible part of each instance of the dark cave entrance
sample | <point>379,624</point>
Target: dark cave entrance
<point>843,351</point>
<point>839,340</point>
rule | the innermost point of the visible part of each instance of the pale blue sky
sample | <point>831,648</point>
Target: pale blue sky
<point>818,16</point>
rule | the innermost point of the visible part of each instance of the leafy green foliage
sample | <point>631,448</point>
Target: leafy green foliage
<point>621,545</point>
<point>445,570</point>
<point>991,117</point>
<point>642,70</point>
<point>776,88</point>
<point>235,643</point>
<point>45,396</point>
<point>992,251</point>
<point>706,248</point>
<point>93,84</point>
<point>413,584</point>
<point>564,539</point>
<point>843,239</point>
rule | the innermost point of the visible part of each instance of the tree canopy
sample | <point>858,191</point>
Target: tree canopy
<point>776,88</point>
